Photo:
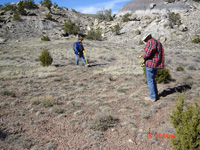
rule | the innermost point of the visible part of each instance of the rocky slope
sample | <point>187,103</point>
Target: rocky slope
<point>147,7</point>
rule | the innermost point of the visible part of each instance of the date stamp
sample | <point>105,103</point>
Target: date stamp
<point>161,136</point>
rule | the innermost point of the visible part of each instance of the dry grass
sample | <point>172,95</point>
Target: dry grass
<point>45,101</point>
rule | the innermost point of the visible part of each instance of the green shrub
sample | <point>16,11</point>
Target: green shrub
<point>104,14</point>
<point>170,1</point>
<point>70,28</point>
<point>21,8</point>
<point>48,16</point>
<point>174,19</point>
<point>45,38</point>
<point>10,7</point>
<point>46,3</point>
<point>16,16</point>
<point>163,75</point>
<point>186,120</point>
<point>73,10</point>
<point>116,29</point>
<point>180,68</point>
<point>45,58</point>
<point>126,18</point>
<point>196,40</point>
<point>29,4</point>
<point>94,35</point>
<point>103,122</point>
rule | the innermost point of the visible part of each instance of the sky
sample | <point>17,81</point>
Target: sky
<point>83,6</point>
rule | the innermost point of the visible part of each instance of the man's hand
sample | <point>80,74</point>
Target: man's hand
<point>140,56</point>
<point>143,63</point>
<point>78,53</point>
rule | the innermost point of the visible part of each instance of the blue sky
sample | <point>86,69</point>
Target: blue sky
<point>84,6</point>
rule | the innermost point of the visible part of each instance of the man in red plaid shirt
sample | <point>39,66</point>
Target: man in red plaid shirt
<point>154,59</point>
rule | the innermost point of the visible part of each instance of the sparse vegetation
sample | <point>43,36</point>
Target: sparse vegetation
<point>185,119</point>
<point>103,122</point>
<point>163,75</point>
<point>46,3</point>
<point>45,58</point>
<point>116,29</point>
<point>45,101</point>
<point>180,68</point>
<point>196,40</point>
<point>10,7</point>
<point>21,8</point>
<point>105,14</point>
<point>49,16</point>
<point>70,28</point>
<point>191,67</point>
<point>26,4</point>
<point>94,35</point>
<point>29,4</point>
<point>126,18</point>
<point>174,19</point>
<point>45,38</point>
<point>170,1</point>
<point>73,10</point>
<point>16,16</point>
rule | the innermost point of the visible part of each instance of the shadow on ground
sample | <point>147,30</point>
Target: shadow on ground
<point>179,89</point>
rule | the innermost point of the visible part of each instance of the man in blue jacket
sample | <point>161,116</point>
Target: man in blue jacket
<point>78,48</point>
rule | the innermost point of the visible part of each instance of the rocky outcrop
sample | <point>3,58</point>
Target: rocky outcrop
<point>144,7</point>
<point>35,24</point>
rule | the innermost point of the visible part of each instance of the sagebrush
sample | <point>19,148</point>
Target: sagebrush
<point>103,122</point>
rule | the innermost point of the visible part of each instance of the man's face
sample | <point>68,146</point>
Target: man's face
<point>80,41</point>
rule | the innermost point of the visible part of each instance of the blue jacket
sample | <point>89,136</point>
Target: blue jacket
<point>77,48</point>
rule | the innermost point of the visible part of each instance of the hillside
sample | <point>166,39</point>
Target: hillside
<point>59,107</point>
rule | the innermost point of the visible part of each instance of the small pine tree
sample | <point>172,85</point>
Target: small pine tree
<point>21,8</point>
<point>186,120</point>
<point>46,3</point>
<point>45,58</point>
<point>29,4</point>
<point>162,76</point>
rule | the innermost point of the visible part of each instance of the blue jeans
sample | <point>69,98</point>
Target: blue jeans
<point>82,58</point>
<point>153,91</point>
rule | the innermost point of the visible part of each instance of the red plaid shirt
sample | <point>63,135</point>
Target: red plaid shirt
<point>154,54</point>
